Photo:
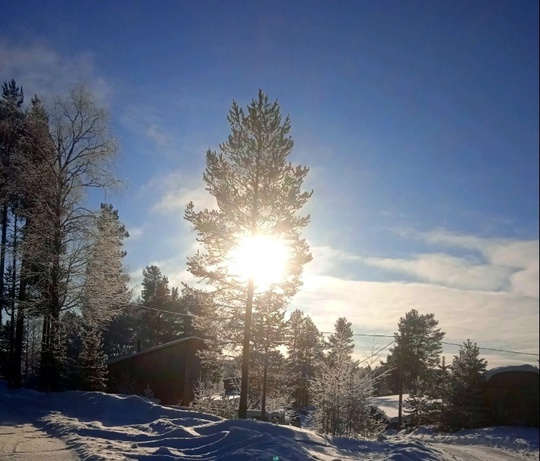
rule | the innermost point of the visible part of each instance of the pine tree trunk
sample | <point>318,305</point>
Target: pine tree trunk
<point>12,359</point>
<point>3,256</point>
<point>242,407</point>
<point>19,331</point>
<point>265,379</point>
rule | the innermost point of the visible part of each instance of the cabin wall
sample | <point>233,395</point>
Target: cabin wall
<point>512,398</point>
<point>170,372</point>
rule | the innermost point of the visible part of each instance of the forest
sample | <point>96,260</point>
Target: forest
<point>67,306</point>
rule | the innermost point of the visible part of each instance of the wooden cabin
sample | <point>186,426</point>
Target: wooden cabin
<point>511,395</point>
<point>170,371</point>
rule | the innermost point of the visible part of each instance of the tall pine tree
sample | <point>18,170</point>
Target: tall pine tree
<point>258,194</point>
<point>417,350</point>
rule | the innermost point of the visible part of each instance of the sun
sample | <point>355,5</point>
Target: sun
<point>264,258</point>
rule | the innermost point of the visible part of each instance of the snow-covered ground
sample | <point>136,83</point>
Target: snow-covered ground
<point>102,426</point>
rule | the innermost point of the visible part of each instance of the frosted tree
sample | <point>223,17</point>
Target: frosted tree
<point>11,123</point>
<point>77,158</point>
<point>421,404</point>
<point>92,360</point>
<point>341,393</point>
<point>259,197</point>
<point>266,360</point>
<point>105,294</point>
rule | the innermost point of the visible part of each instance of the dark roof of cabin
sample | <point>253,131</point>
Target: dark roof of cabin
<point>152,349</point>
<point>526,368</point>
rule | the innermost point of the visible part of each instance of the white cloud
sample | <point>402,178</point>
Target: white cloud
<point>135,232</point>
<point>326,258</point>
<point>142,120</point>
<point>448,270</point>
<point>500,320</point>
<point>41,70</point>
<point>525,282</point>
<point>511,259</point>
<point>175,190</point>
<point>500,251</point>
<point>489,295</point>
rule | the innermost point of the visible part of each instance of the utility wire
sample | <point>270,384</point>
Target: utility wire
<point>442,342</point>
<point>142,306</point>
<point>493,349</point>
<point>376,352</point>
<point>368,335</point>
<point>361,334</point>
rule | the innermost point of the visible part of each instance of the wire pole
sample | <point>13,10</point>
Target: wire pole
<point>400,383</point>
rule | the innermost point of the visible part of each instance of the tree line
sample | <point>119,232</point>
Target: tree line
<point>325,380</point>
<point>59,258</point>
<point>66,297</point>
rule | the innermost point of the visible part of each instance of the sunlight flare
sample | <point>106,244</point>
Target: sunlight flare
<point>262,257</point>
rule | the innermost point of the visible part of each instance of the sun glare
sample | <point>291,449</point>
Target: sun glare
<point>262,257</point>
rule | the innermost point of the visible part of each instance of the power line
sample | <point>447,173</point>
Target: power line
<point>493,349</point>
<point>361,334</point>
<point>142,306</point>
<point>369,335</point>
<point>376,352</point>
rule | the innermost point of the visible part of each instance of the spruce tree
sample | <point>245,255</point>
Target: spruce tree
<point>341,342</point>
<point>158,323</point>
<point>258,194</point>
<point>421,404</point>
<point>105,295</point>
<point>92,360</point>
<point>305,353</point>
<point>464,407</point>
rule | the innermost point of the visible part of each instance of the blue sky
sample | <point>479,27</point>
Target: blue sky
<point>419,121</point>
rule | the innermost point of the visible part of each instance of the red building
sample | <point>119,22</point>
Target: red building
<point>170,371</point>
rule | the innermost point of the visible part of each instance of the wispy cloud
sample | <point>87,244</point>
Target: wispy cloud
<point>143,120</point>
<point>489,294</point>
<point>449,270</point>
<point>326,259</point>
<point>521,257</point>
<point>135,233</point>
<point>502,320</point>
<point>176,189</point>
<point>42,70</point>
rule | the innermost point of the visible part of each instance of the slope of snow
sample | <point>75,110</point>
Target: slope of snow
<point>113,427</point>
<point>522,440</point>
<point>389,404</point>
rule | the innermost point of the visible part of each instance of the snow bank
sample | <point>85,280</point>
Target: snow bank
<point>119,428</point>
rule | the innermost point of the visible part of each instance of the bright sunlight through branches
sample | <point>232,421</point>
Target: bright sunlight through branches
<point>262,257</point>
